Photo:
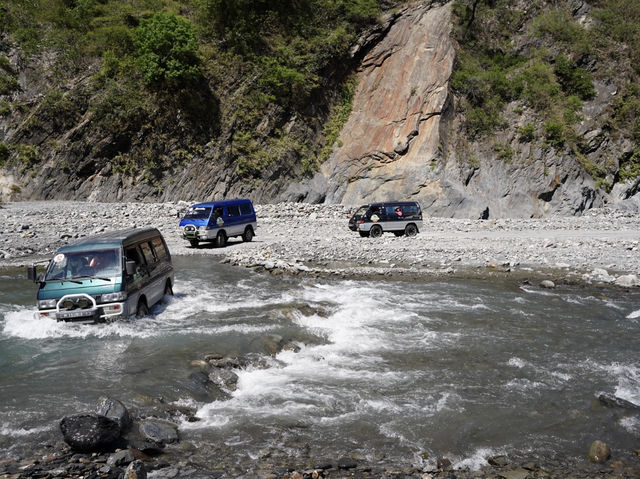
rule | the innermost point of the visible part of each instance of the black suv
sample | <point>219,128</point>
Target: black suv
<point>399,217</point>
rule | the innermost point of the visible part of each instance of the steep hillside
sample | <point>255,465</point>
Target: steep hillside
<point>476,108</point>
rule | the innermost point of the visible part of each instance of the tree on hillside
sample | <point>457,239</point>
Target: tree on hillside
<point>166,47</point>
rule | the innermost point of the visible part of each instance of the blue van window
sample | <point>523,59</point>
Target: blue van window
<point>233,210</point>
<point>197,213</point>
<point>245,209</point>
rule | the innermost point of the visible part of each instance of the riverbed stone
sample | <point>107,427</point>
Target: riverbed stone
<point>547,283</point>
<point>599,451</point>
<point>158,431</point>
<point>135,470</point>
<point>89,432</point>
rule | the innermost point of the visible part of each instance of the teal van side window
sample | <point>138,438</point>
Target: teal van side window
<point>159,249</point>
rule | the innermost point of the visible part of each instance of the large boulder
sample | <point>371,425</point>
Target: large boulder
<point>114,409</point>
<point>90,432</point>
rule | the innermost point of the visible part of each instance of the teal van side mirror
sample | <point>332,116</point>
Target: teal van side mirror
<point>32,274</point>
<point>130,267</point>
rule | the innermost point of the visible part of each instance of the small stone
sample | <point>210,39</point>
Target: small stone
<point>548,284</point>
<point>599,452</point>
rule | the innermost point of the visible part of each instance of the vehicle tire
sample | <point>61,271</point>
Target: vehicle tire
<point>247,236</point>
<point>193,243</point>
<point>221,239</point>
<point>364,234</point>
<point>168,290</point>
<point>398,233</point>
<point>142,309</point>
<point>411,230</point>
<point>375,231</point>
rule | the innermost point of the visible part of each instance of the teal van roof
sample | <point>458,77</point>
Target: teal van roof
<point>111,239</point>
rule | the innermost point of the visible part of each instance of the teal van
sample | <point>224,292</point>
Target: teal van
<point>106,277</point>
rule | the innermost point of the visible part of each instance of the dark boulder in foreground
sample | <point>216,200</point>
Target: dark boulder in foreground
<point>114,409</point>
<point>90,432</point>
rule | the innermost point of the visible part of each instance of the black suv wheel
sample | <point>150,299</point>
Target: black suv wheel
<point>411,230</point>
<point>375,231</point>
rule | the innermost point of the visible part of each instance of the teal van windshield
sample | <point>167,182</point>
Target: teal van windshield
<point>78,264</point>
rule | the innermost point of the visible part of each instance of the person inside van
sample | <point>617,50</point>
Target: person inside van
<point>103,261</point>
<point>398,211</point>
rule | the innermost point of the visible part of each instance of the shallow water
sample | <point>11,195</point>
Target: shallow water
<point>409,371</point>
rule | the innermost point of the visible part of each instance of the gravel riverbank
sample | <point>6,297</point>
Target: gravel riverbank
<point>602,246</point>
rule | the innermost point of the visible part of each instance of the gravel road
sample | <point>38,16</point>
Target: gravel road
<point>602,246</point>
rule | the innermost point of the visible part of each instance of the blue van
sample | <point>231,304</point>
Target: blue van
<point>106,277</point>
<point>218,221</point>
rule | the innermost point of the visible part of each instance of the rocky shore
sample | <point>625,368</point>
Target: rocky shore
<point>602,246</point>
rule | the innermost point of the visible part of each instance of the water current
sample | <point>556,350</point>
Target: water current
<point>407,370</point>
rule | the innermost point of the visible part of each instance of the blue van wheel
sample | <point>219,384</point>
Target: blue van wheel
<point>248,234</point>
<point>221,239</point>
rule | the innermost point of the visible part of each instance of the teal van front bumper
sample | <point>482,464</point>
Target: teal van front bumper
<point>81,308</point>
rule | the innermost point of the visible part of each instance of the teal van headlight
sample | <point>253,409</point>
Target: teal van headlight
<point>110,297</point>
<point>47,303</point>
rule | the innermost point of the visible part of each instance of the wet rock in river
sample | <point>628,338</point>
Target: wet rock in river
<point>159,432</point>
<point>114,409</point>
<point>90,432</point>
<point>224,378</point>
<point>614,401</point>
<point>599,452</point>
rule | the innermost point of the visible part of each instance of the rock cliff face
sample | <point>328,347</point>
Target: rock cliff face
<point>393,134</point>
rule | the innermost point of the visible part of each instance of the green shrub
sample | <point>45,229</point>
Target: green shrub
<point>505,152</point>
<point>121,108</point>
<point>4,154</point>
<point>630,166</point>
<point>8,83</point>
<point>562,28</point>
<point>554,133</point>
<point>5,108</point>
<point>540,88</point>
<point>573,107</point>
<point>527,133</point>
<point>27,156</point>
<point>166,48</point>
<point>574,80</point>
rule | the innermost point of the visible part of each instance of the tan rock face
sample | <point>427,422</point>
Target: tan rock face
<point>392,133</point>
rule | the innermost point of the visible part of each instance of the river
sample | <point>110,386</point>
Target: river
<point>405,371</point>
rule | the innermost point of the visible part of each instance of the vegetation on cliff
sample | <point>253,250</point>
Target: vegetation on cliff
<point>536,65</point>
<point>147,87</point>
